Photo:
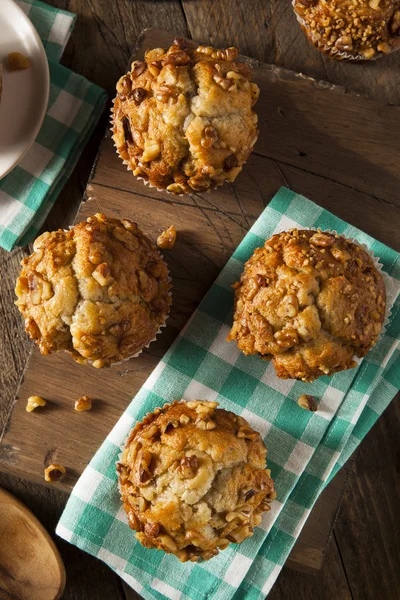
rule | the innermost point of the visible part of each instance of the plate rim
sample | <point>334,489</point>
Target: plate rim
<point>47,89</point>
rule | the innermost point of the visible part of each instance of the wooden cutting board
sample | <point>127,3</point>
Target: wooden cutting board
<point>339,149</point>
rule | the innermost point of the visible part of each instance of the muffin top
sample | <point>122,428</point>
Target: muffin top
<point>182,119</point>
<point>310,300</point>
<point>98,291</point>
<point>363,29</point>
<point>193,479</point>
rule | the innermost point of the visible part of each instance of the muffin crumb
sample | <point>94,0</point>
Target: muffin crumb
<point>18,61</point>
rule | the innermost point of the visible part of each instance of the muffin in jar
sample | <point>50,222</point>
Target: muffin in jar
<point>99,291</point>
<point>345,29</point>
<point>183,119</point>
<point>311,301</point>
<point>193,479</point>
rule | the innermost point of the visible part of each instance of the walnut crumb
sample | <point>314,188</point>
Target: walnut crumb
<point>54,472</point>
<point>18,61</point>
<point>83,403</point>
<point>166,241</point>
<point>34,402</point>
<point>307,402</point>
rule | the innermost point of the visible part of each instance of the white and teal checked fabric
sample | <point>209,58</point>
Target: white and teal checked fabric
<point>75,105</point>
<point>304,449</point>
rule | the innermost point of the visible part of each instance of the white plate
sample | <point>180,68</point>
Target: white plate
<point>25,93</point>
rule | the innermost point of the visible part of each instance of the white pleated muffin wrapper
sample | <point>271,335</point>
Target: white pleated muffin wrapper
<point>169,279</point>
<point>331,51</point>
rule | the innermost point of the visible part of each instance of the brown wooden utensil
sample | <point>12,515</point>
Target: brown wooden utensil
<point>31,567</point>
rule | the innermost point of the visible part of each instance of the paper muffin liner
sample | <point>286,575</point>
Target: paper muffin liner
<point>334,52</point>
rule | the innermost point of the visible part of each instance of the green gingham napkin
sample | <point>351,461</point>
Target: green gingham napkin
<point>304,448</point>
<point>75,105</point>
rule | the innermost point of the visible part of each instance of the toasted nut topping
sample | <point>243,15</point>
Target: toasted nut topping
<point>231,162</point>
<point>323,240</point>
<point>240,534</point>
<point>34,402</point>
<point>83,403</point>
<point>175,188</point>
<point>166,241</point>
<point>210,425</point>
<point>54,472</point>
<point>247,433</point>
<point>188,466</point>
<point>249,495</point>
<point>230,516</point>
<point>152,529</point>
<point>138,68</point>
<point>307,402</point>
<point>17,60</point>
<point>126,125</point>
<point>151,150</point>
<point>102,274</point>
<point>167,542</point>
<point>209,136</point>
<point>138,95</point>
<point>184,419</point>
<point>123,473</point>
<point>151,432</point>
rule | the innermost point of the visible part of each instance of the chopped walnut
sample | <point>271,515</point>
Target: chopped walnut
<point>83,403</point>
<point>34,402</point>
<point>166,241</point>
<point>18,61</point>
<point>54,473</point>
<point>307,402</point>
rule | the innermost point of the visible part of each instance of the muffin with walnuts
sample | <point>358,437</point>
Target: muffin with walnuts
<point>100,291</point>
<point>310,301</point>
<point>182,118</point>
<point>193,479</point>
<point>346,29</point>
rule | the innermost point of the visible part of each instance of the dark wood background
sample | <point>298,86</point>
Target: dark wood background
<point>363,557</point>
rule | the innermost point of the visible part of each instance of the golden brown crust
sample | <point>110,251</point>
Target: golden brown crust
<point>100,291</point>
<point>347,29</point>
<point>182,119</point>
<point>193,479</point>
<point>310,300</point>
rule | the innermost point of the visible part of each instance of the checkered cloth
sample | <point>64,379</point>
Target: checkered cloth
<point>75,105</point>
<point>304,448</point>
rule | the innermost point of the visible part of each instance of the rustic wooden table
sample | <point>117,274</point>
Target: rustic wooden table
<point>363,557</point>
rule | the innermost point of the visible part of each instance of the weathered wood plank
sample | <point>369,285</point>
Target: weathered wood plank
<point>368,527</point>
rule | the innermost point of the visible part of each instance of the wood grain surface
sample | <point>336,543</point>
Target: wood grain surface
<point>31,567</point>
<point>99,48</point>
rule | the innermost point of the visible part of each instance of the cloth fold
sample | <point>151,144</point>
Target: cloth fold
<point>305,449</point>
<point>75,105</point>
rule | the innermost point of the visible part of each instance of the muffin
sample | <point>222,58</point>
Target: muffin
<point>310,301</point>
<point>345,29</point>
<point>183,119</point>
<point>193,479</point>
<point>100,291</point>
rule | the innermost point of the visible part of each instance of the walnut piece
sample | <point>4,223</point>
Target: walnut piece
<point>307,402</point>
<point>166,241</point>
<point>54,472</point>
<point>18,61</point>
<point>34,402</point>
<point>83,403</point>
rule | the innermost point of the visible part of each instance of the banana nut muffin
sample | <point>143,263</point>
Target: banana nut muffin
<point>193,479</point>
<point>353,29</point>
<point>100,291</point>
<point>311,301</point>
<point>182,119</point>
